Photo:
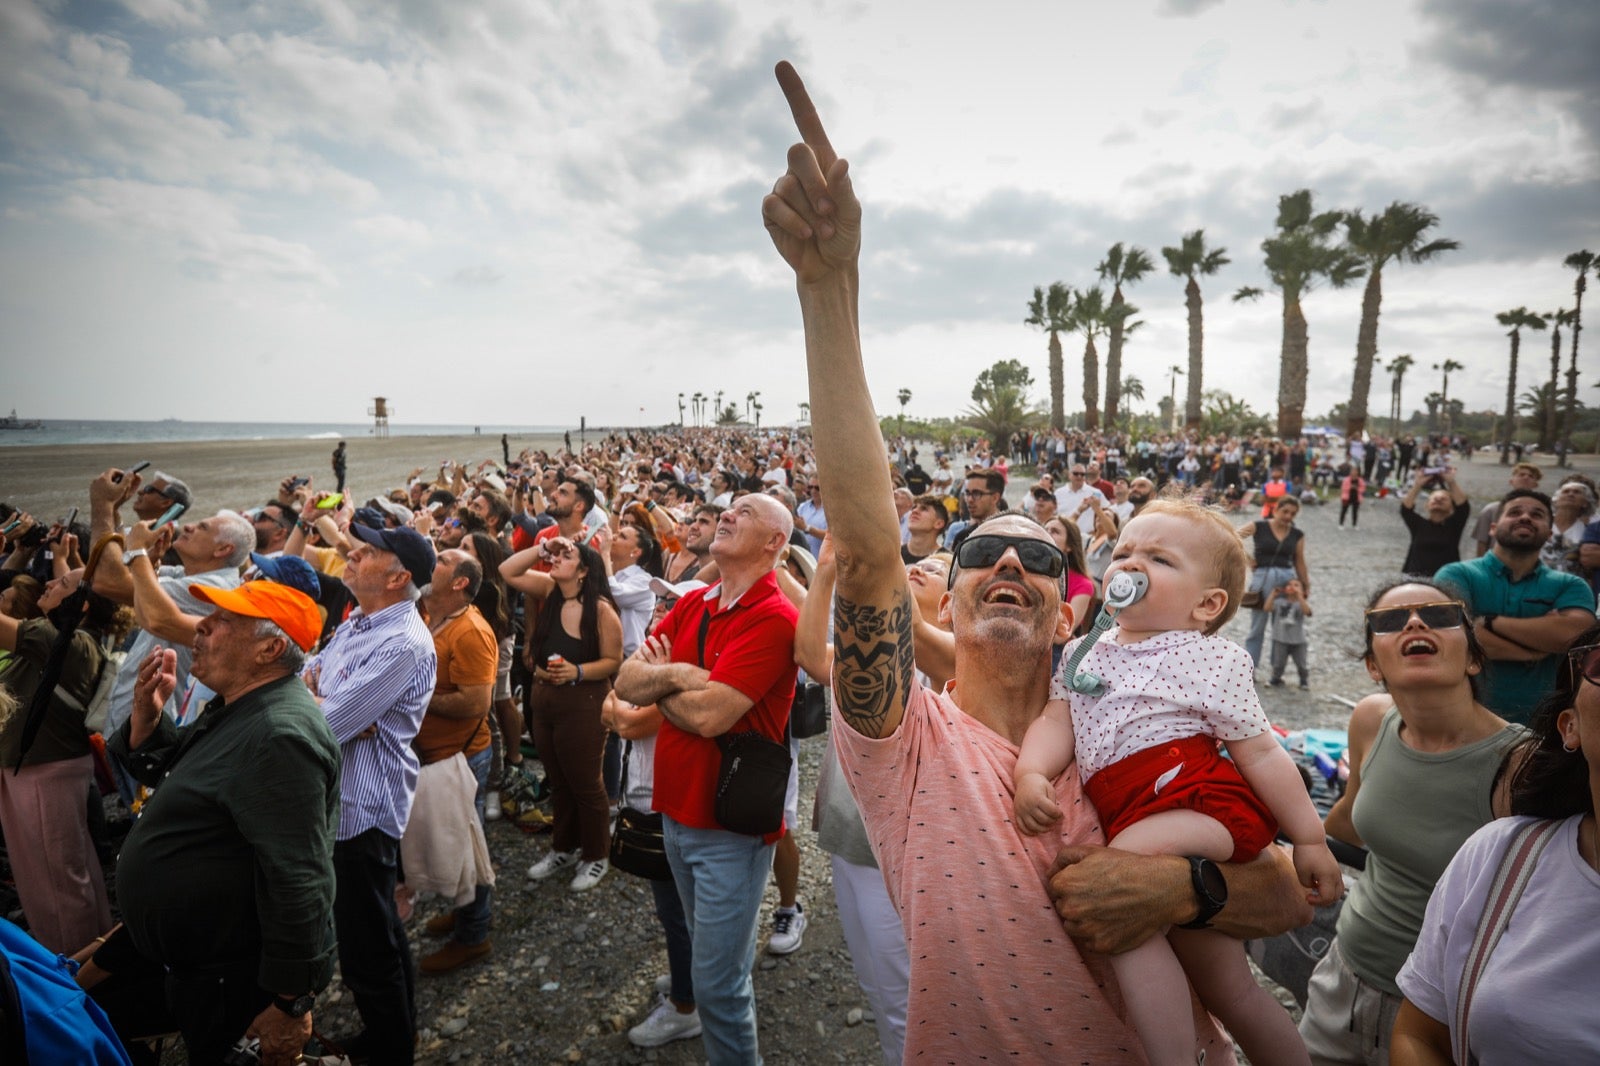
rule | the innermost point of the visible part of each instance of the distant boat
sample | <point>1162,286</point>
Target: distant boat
<point>172,420</point>
<point>11,421</point>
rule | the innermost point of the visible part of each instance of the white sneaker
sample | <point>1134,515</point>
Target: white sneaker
<point>664,1025</point>
<point>590,874</point>
<point>788,930</point>
<point>552,863</point>
<point>491,806</point>
<point>664,984</point>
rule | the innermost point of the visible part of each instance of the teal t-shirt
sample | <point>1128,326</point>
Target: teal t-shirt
<point>1512,689</point>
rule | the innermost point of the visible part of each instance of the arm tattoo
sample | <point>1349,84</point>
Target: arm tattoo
<point>873,666</point>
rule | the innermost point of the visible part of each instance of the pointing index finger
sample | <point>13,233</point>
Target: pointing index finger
<point>805,115</point>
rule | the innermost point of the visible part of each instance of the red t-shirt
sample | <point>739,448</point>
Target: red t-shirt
<point>749,647</point>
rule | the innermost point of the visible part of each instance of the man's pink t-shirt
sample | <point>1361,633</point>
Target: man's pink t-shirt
<point>993,975</point>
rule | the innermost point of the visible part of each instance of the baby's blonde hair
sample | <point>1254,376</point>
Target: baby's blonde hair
<point>1229,563</point>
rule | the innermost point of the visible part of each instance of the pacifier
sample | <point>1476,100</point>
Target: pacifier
<point>1122,590</point>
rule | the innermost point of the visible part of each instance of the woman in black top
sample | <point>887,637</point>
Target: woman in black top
<point>1435,533</point>
<point>1280,554</point>
<point>578,626</point>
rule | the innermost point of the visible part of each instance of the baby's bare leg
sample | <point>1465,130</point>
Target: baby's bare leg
<point>1152,981</point>
<point>1216,966</point>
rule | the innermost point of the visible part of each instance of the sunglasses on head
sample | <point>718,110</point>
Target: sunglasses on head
<point>985,549</point>
<point>1584,662</point>
<point>1444,615</point>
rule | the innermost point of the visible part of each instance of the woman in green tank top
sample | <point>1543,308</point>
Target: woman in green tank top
<point>1425,773</point>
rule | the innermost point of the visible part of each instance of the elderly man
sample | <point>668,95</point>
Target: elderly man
<point>374,680</point>
<point>457,720</point>
<point>226,879</point>
<point>930,770</point>
<point>1525,613</point>
<point>155,495</point>
<point>210,551</point>
<point>721,662</point>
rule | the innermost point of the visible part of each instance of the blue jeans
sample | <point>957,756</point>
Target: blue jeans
<point>472,920</point>
<point>1263,580</point>
<point>721,877</point>
<point>680,952</point>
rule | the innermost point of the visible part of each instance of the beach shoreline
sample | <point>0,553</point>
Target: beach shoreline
<point>48,481</point>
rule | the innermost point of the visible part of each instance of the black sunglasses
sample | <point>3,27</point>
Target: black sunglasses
<point>1445,615</point>
<point>1584,662</point>
<point>985,549</point>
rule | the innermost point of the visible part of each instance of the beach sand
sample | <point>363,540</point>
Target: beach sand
<point>49,481</point>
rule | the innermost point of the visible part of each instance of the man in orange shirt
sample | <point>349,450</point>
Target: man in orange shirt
<point>457,719</point>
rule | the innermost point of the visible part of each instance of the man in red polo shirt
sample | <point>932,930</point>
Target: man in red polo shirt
<point>722,661</point>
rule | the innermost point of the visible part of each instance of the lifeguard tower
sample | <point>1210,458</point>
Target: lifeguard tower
<point>380,416</point>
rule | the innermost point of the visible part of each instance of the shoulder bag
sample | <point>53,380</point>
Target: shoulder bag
<point>753,777</point>
<point>638,846</point>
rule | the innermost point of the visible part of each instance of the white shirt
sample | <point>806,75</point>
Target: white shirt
<point>630,587</point>
<point>1173,685</point>
<point>1068,499</point>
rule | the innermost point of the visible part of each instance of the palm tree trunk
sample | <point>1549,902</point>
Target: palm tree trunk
<point>1547,431</point>
<point>1091,386</point>
<point>1355,419</point>
<point>1292,372</point>
<point>1114,360</point>
<point>1572,372</point>
<point>1511,400</point>
<point>1058,384</point>
<point>1197,332</point>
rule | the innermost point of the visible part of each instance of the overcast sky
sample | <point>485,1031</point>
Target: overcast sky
<point>512,211</point>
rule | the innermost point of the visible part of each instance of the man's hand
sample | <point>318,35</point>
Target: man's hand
<point>1108,901</point>
<point>157,679</point>
<point>657,651</point>
<point>145,535</point>
<point>812,213</point>
<point>282,1037</point>
<point>114,487</point>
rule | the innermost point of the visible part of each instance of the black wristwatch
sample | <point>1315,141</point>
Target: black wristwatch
<point>1210,891</point>
<point>1488,622</point>
<point>295,1006</point>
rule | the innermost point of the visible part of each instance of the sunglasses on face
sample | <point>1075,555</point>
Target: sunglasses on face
<point>1584,662</point>
<point>1445,615</point>
<point>985,549</point>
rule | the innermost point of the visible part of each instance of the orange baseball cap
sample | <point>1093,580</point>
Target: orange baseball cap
<point>294,612</point>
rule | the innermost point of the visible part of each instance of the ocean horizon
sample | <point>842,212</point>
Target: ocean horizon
<point>55,431</point>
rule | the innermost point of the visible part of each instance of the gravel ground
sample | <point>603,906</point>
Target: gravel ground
<point>570,973</point>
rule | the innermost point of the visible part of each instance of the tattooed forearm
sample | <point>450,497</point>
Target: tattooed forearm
<point>873,664</point>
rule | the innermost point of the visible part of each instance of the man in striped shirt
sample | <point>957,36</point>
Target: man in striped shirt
<point>374,679</point>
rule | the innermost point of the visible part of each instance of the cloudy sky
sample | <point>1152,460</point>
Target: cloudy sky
<point>520,211</point>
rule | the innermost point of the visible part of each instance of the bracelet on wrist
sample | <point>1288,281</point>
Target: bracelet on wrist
<point>580,672</point>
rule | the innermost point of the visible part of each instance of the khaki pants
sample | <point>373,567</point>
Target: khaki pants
<point>1347,1022</point>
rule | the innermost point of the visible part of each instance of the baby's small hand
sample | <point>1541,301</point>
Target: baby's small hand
<point>1318,871</point>
<point>1036,805</point>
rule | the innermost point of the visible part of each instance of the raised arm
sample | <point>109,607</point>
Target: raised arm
<point>814,220</point>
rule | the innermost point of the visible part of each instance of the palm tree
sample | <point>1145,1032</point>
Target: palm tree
<point>1581,262</point>
<point>1174,372</point>
<point>805,411</point>
<point>1444,390</point>
<point>1397,372</point>
<point>1132,389</point>
<point>1297,256</point>
<point>699,401</point>
<point>1433,401</point>
<point>1550,427</point>
<point>717,412</point>
<point>680,409</point>
<point>1395,235</point>
<point>904,396</point>
<point>1051,312</point>
<point>1089,318</point>
<point>1518,319</point>
<point>758,409</point>
<point>1119,267</point>
<point>1000,404</point>
<point>1190,259</point>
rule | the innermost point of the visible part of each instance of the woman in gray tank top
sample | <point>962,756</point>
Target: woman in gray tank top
<point>1425,773</point>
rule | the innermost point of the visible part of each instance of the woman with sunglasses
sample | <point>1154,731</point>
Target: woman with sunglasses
<point>1530,997</point>
<point>1425,758</point>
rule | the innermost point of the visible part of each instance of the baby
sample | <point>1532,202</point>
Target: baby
<point>1161,691</point>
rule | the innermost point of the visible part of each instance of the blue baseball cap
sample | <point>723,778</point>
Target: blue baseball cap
<point>290,570</point>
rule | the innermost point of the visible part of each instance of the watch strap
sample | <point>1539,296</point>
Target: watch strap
<point>1210,902</point>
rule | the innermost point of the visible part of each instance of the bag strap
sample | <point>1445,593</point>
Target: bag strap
<point>1511,877</point>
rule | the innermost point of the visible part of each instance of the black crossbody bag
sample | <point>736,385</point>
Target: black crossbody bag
<point>637,844</point>
<point>753,777</point>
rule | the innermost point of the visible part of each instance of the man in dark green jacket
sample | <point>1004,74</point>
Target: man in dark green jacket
<point>227,877</point>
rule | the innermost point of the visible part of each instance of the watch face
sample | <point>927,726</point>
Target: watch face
<point>1215,884</point>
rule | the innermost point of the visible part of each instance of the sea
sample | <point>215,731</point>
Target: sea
<point>67,431</point>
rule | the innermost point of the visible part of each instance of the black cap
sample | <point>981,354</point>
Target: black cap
<point>415,551</point>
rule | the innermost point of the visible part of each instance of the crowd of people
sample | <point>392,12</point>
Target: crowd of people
<point>312,709</point>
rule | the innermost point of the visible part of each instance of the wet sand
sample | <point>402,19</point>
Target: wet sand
<point>49,481</point>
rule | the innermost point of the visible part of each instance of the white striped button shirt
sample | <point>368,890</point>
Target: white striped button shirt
<point>376,669</point>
